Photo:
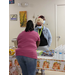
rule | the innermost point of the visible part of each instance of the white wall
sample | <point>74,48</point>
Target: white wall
<point>37,7</point>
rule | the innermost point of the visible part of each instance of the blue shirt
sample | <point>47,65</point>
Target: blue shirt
<point>47,35</point>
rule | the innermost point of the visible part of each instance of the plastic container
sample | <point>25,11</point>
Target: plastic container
<point>55,54</point>
<point>63,54</point>
<point>60,53</point>
<point>51,52</point>
<point>48,53</point>
<point>39,52</point>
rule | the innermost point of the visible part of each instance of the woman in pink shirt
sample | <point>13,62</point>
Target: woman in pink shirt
<point>28,41</point>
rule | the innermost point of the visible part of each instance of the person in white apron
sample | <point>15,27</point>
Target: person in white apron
<point>45,36</point>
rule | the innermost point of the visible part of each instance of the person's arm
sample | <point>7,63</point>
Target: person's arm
<point>38,43</point>
<point>49,38</point>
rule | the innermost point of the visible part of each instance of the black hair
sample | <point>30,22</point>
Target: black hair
<point>42,17</point>
<point>29,26</point>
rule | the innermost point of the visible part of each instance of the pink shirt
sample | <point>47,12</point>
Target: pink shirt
<point>27,44</point>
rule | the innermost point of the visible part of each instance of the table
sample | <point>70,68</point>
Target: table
<point>49,63</point>
<point>43,62</point>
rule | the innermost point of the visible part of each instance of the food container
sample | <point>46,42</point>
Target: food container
<point>48,53</point>
<point>39,52</point>
<point>11,52</point>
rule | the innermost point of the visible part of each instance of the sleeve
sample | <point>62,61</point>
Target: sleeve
<point>49,38</point>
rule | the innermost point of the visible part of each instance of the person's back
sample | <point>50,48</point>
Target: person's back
<point>27,41</point>
<point>27,44</point>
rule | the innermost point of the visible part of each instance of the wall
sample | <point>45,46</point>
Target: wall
<point>36,7</point>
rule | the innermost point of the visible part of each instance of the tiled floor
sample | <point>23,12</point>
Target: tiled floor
<point>53,73</point>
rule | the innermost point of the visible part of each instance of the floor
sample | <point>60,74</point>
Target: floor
<point>53,73</point>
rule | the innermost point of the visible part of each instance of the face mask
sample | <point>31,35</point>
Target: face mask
<point>39,27</point>
<point>43,22</point>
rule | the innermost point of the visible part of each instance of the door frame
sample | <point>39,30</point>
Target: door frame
<point>55,8</point>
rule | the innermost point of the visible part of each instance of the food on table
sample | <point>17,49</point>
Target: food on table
<point>11,52</point>
<point>48,53</point>
<point>39,52</point>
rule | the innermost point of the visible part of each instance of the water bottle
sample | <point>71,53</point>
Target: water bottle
<point>63,52</point>
<point>60,53</point>
<point>64,55</point>
<point>55,53</point>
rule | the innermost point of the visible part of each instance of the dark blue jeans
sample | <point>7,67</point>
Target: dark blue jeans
<point>28,65</point>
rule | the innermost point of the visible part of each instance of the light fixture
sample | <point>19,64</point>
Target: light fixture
<point>19,4</point>
<point>26,4</point>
